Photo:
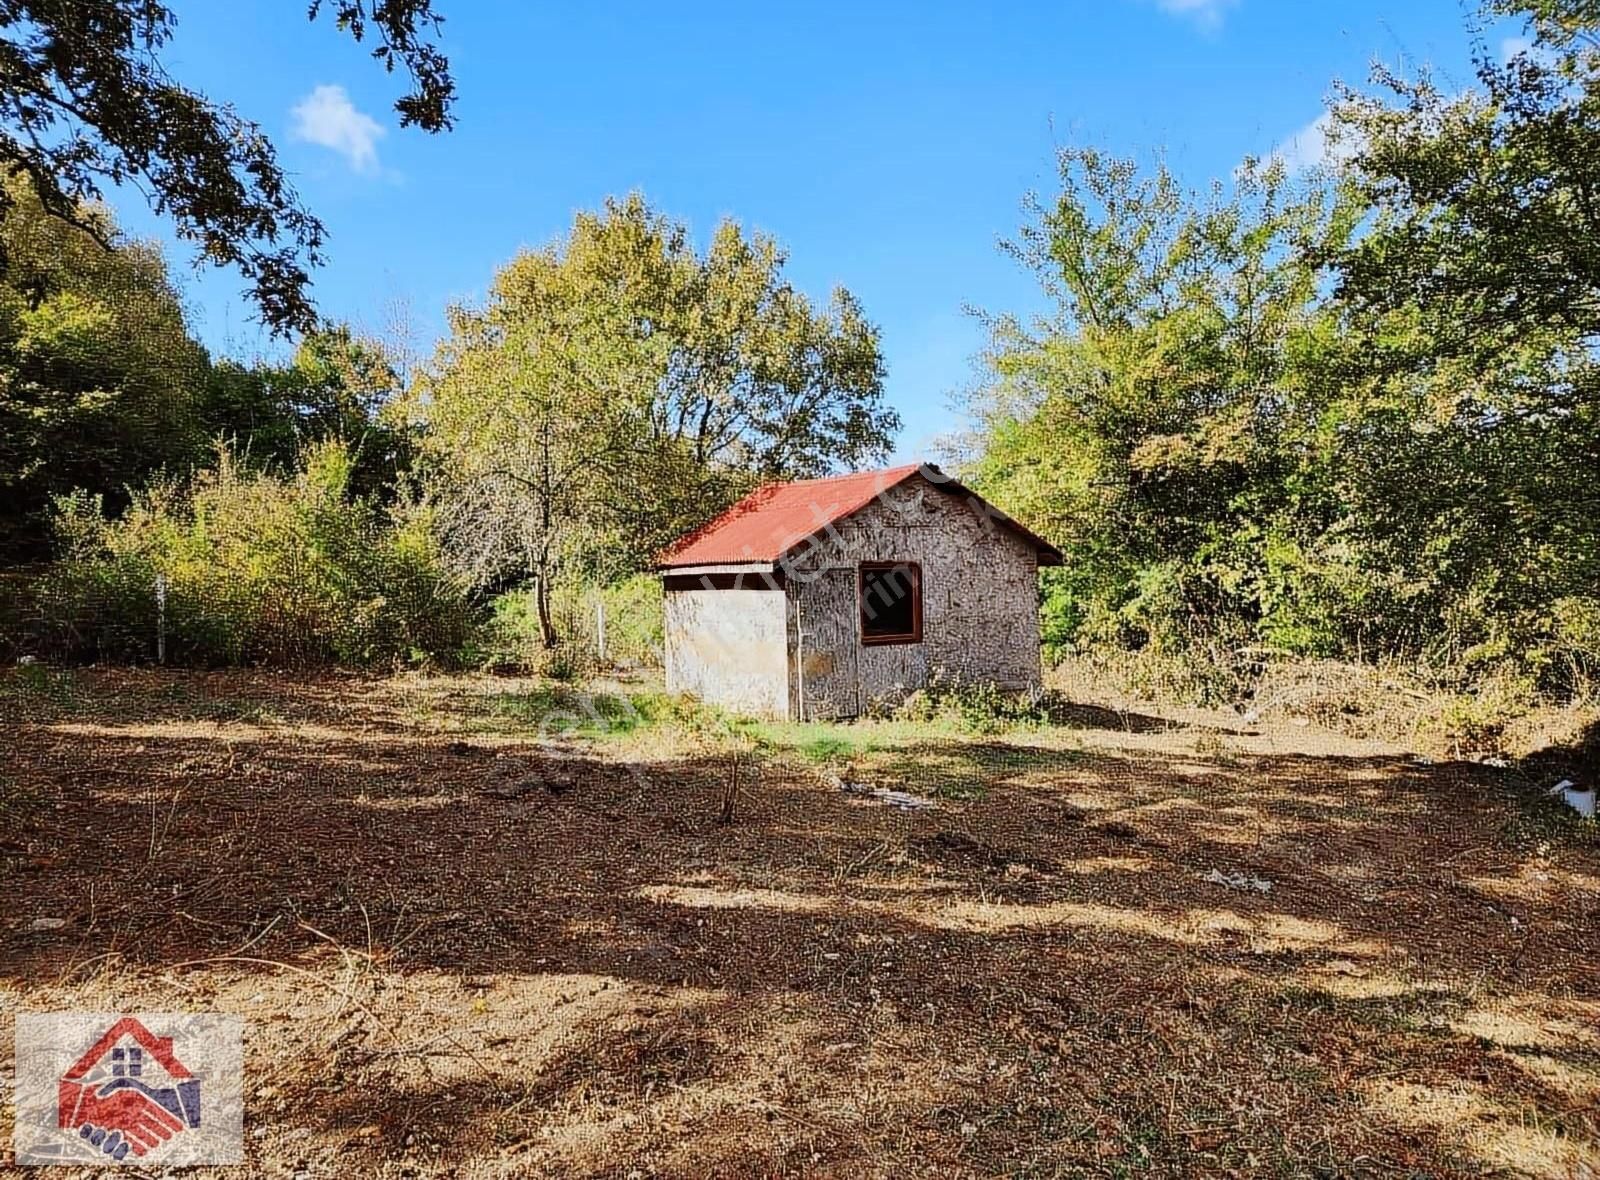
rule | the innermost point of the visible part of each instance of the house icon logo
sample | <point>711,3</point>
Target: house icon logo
<point>129,1092</point>
<point>129,1089</point>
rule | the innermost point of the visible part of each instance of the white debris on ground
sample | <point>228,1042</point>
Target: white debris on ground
<point>904,800</point>
<point>48,924</point>
<point>1238,881</point>
<point>1580,799</point>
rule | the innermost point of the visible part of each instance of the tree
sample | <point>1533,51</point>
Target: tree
<point>618,388</point>
<point>102,385</point>
<point>336,387</point>
<point>531,421</point>
<point>1476,292</point>
<point>84,101</point>
<point>1487,202</point>
<point>100,382</point>
<point>1154,425</point>
<point>1359,420</point>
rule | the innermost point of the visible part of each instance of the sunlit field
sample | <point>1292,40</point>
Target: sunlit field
<point>469,940</point>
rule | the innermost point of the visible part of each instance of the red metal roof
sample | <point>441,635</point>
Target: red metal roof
<point>775,518</point>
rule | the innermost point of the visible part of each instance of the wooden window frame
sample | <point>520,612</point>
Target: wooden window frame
<point>880,567</point>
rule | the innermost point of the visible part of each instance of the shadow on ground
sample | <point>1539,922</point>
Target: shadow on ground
<point>457,950</point>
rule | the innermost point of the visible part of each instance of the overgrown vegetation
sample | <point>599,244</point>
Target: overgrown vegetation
<point>1352,417</point>
<point>1300,437</point>
<point>242,567</point>
<point>628,612</point>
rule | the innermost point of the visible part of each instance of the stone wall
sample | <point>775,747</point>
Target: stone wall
<point>980,600</point>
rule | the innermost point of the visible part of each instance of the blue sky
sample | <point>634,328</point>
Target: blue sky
<point>888,147</point>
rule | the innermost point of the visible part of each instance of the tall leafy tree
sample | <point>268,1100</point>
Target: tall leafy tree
<point>1476,292</point>
<point>1487,200</point>
<point>618,387</point>
<point>85,101</point>
<point>1155,423</point>
<point>100,382</point>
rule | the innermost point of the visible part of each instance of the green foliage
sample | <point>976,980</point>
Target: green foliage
<point>634,623</point>
<point>257,569</point>
<point>87,101</point>
<point>1255,434</point>
<point>100,382</point>
<point>621,359</point>
<point>1482,197</point>
<point>1156,426</point>
<point>1475,721</point>
<point>562,709</point>
<point>514,640</point>
<point>102,387</point>
<point>972,707</point>
<point>336,386</point>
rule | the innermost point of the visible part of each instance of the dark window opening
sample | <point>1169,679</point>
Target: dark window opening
<point>891,602</point>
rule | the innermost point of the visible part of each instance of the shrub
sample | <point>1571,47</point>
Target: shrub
<point>634,623</point>
<point>255,569</point>
<point>1476,721</point>
<point>973,706</point>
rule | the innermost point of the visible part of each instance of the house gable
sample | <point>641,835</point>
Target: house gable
<point>776,522</point>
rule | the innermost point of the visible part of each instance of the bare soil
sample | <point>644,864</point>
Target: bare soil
<point>465,951</point>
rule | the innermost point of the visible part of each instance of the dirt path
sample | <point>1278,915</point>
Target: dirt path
<point>1137,950</point>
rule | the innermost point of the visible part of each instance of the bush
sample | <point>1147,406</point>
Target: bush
<point>635,621</point>
<point>255,569</point>
<point>973,706</point>
<point>634,624</point>
<point>1476,721</point>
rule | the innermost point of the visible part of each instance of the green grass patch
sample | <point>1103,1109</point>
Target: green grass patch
<point>826,742</point>
<point>29,689</point>
<point>554,709</point>
<point>937,755</point>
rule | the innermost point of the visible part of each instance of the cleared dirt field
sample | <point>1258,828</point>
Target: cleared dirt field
<point>464,951</point>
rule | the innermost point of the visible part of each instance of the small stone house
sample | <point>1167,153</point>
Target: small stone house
<point>815,599</point>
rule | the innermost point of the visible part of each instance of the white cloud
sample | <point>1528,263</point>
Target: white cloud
<point>1208,13</point>
<point>328,118</point>
<point>1314,146</point>
<point>1514,47</point>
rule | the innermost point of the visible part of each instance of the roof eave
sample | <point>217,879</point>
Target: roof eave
<point>690,569</point>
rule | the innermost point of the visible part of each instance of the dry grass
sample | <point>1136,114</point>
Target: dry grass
<point>464,952</point>
<point>1440,713</point>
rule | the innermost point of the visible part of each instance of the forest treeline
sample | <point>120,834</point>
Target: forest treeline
<point>1350,414</point>
<point>613,390</point>
<point>1354,416</point>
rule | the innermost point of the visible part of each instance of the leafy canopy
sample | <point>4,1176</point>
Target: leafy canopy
<point>619,387</point>
<point>1149,424</point>
<point>85,101</point>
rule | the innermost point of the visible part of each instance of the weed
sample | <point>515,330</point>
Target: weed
<point>975,706</point>
<point>31,687</point>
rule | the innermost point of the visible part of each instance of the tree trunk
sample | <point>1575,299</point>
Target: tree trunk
<point>541,594</point>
